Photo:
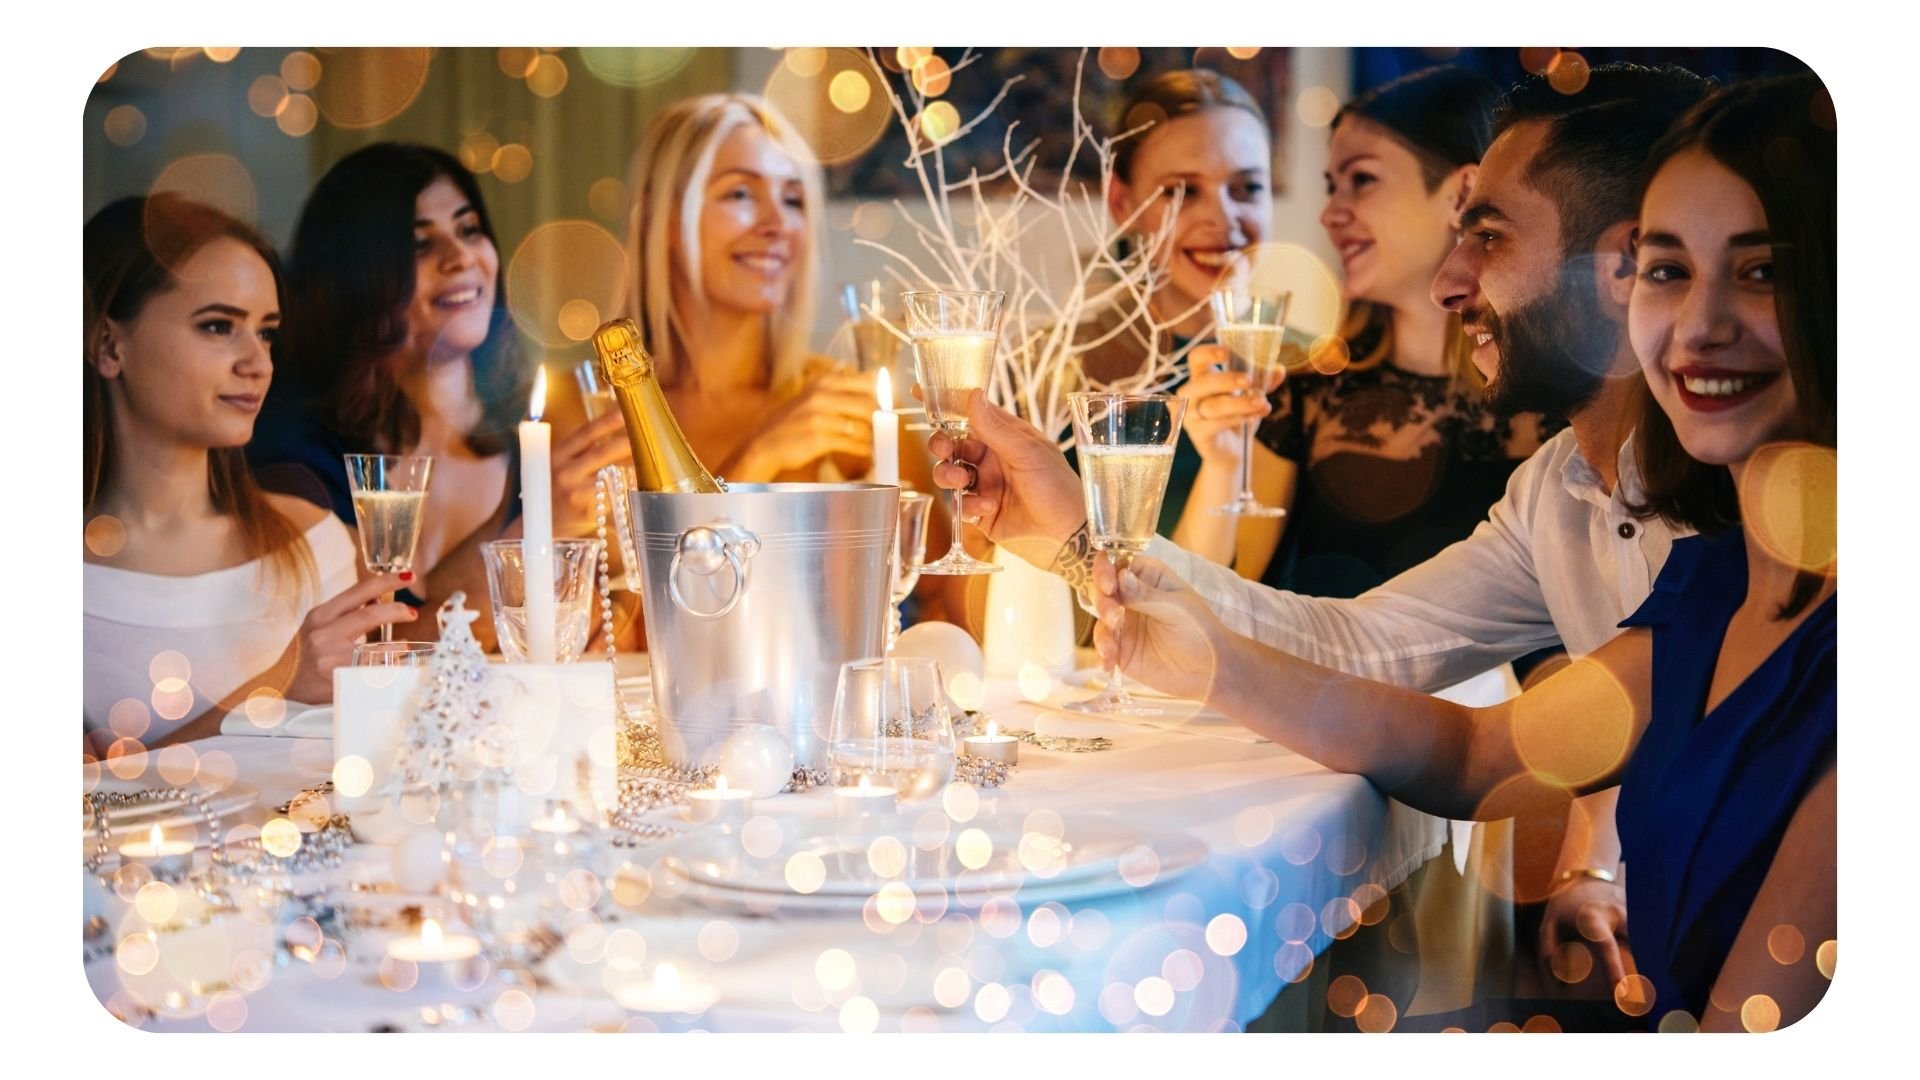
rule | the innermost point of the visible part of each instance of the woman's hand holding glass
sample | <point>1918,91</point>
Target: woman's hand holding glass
<point>1156,628</point>
<point>331,630</point>
<point>1220,404</point>
<point>832,415</point>
<point>578,458</point>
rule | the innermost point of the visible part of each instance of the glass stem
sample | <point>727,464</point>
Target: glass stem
<point>1246,464</point>
<point>1116,685</point>
<point>386,629</point>
<point>958,549</point>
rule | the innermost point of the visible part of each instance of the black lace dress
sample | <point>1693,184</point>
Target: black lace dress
<point>1393,467</point>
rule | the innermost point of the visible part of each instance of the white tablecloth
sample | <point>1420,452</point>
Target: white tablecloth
<point>1286,839</point>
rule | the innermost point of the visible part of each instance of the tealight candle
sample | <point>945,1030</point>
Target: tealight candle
<point>165,858</point>
<point>865,799</point>
<point>994,746</point>
<point>431,945</point>
<point>667,992</point>
<point>557,822</point>
<point>719,804</point>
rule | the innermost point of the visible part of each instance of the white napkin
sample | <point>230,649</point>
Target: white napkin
<point>1487,688</point>
<point>302,723</point>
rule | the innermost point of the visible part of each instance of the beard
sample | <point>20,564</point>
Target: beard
<point>1555,351</point>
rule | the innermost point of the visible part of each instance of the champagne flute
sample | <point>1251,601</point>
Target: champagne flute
<point>953,336</point>
<point>910,549</point>
<point>891,727</point>
<point>1125,443</point>
<point>1252,324</point>
<point>876,345</point>
<point>389,502</point>
<point>596,394</point>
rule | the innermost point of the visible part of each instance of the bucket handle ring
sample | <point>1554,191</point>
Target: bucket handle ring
<point>704,549</point>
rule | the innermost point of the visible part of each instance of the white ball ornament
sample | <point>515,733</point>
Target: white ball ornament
<point>758,759</point>
<point>956,652</point>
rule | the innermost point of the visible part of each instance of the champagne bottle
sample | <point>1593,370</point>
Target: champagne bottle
<point>662,460</point>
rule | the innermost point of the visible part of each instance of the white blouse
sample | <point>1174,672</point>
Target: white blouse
<point>170,647</point>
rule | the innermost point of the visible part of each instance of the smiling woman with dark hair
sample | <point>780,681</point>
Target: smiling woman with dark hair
<point>399,342</point>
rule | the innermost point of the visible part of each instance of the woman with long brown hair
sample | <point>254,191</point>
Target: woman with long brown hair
<point>201,590</point>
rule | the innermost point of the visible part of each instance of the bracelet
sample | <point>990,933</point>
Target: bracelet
<point>1593,872</point>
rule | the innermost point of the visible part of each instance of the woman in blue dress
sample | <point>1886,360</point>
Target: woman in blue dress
<point>1716,709</point>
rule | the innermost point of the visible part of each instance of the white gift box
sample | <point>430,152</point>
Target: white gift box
<point>561,716</point>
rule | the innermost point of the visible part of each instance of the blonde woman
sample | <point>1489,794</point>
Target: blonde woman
<point>725,226</point>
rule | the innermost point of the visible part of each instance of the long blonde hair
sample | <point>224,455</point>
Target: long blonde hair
<point>666,186</point>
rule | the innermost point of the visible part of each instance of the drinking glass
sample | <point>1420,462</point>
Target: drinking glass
<point>393,654</point>
<point>595,394</point>
<point>1125,443</point>
<point>953,341</point>
<point>910,549</point>
<point>389,500</point>
<point>1252,324</point>
<point>891,727</point>
<point>576,564</point>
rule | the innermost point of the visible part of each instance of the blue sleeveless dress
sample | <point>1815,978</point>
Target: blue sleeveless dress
<point>1707,796</point>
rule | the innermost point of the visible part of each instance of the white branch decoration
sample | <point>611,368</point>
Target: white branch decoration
<point>1047,330</point>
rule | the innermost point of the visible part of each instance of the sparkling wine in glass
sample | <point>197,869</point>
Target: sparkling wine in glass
<point>1125,445</point>
<point>891,727</point>
<point>953,334</point>
<point>910,550</point>
<point>1252,324</point>
<point>576,565</point>
<point>596,394</point>
<point>389,502</point>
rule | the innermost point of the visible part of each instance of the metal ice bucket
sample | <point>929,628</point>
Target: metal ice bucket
<point>753,598</point>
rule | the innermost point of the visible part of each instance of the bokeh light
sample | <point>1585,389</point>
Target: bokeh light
<point>218,180</point>
<point>1540,1024</point>
<point>1052,992</point>
<point>1377,1015</point>
<point>352,776</point>
<point>112,70</point>
<point>125,758</point>
<point>859,1016</point>
<point>298,115</point>
<point>1329,354</point>
<point>1825,956</point>
<point>516,61</point>
<point>1572,961</point>
<point>932,76</point>
<point>1345,995</point>
<point>1760,1014</point>
<point>280,837</point>
<point>1634,995</point>
<point>761,836</point>
<point>1786,944</point>
<point>1226,934</point>
<point>1678,1022</point>
<point>961,801</point>
<point>264,707</point>
<point>1183,969</point>
<point>561,263</point>
<point>1119,62</point>
<point>548,76</point>
<point>129,718</point>
<point>106,535</point>
<point>477,150</point>
<point>991,1002</point>
<point>940,121</point>
<point>177,764</point>
<point>1521,854</point>
<point>366,87</point>
<point>1792,491</point>
<point>952,987</point>
<point>512,163</point>
<point>300,70</point>
<point>1568,72</point>
<point>267,95</point>
<point>1243,52</point>
<point>634,67</point>
<point>1253,826</point>
<point>1316,106</point>
<point>719,941</point>
<point>1300,844</point>
<point>513,1010</point>
<point>156,902</point>
<point>607,197</point>
<point>125,125</point>
<point>805,872</point>
<point>850,91</point>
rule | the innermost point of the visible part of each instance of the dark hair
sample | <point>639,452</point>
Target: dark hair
<point>131,248</point>
<point>1444,115</point>
<point>1597,140</point>
<point>1777,135</point>
<point>351,277</point>
<point>1180,92</point>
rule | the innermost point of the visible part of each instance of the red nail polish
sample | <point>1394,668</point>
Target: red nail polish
<point>406,575</point>
<point>413,613</point>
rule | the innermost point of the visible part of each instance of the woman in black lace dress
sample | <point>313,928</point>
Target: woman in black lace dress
<point>1393,454</point>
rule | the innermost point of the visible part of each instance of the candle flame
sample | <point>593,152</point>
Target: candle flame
<point>538,403</point>
<point>720,784</point>
<point>883,390</point>
<point>865,786</point>
<point>993,729</point>
<point>155,837</point>
<point>666,979</point>
<point>430,933</point>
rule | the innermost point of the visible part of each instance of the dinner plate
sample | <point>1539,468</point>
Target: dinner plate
<point>1093,852</point>
<point>172,815</point>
